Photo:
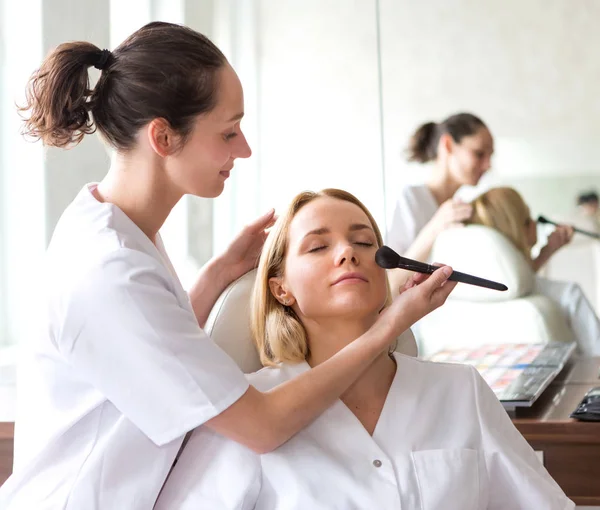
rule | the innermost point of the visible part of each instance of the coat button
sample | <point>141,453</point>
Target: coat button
<point>377,463</point>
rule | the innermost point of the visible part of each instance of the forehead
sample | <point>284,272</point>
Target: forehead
<point>482,138</point>
<point>326,212</point>
<point>230,95</point>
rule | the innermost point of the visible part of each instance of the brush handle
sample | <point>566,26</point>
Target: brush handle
<point>587,233</point>
<point>542,219</point>
<point>456,276</point>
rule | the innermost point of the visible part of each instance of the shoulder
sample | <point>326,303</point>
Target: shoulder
<point>436,376</point>
<point>90,229</point>
<point>414,193</point>
<point>109,268</point>
<point>413,200</point>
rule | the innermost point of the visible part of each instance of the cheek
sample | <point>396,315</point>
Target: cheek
<point>470,163</point>
<point>214,153</point>
<point>303,279</point>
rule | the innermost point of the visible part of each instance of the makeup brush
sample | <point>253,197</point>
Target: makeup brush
<point>542,219</point>
<point>389,259</point>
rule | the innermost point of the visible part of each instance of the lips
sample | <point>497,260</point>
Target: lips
<point>350,277</point>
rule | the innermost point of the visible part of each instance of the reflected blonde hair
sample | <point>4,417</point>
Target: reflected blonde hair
<point>277,331</point>
<point>505,210</point>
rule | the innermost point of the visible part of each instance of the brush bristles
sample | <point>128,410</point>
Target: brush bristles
<point>387,258</point>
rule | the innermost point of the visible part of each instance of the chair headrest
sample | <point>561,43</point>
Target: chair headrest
<point>228,324</point>
<point>485,252</point>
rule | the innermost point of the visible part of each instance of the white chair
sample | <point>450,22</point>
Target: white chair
<point>229,326</point>
<point>578,262</point>
<point>475,316</point>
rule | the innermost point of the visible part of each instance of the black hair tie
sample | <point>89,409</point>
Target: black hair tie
<point>103,57</point>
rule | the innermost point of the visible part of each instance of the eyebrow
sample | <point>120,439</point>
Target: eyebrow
<point>324,230</point>
<point>236,117</point>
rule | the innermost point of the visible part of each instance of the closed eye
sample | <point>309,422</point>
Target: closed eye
<point>229,136</point>
<point>364,244</point>
<point>317,248</point>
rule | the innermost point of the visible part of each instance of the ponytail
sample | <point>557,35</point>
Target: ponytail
<point>58,95</point>
<point>423,143</point>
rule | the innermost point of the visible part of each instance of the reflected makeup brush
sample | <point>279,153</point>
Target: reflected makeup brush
<point>542,219</point>
<point>389,259</point>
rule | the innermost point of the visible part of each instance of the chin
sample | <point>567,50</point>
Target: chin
<point>357,308</point>
<point>212,192</point>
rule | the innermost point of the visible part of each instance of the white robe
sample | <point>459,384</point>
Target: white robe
<point>443,442</point>
<point>121,372</point>
<point>415,206</point>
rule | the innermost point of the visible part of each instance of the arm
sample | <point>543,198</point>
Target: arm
<point>210,283</point>
<point>516,477</point>
<point>269,419</point>
<point>421,246</point>
<point>240,257</point>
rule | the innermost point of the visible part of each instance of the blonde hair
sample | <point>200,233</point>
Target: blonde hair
<point>277,331</point>
<point>504,210</point>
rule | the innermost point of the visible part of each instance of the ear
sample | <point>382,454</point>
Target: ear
<point>163,140</point>
<point>446,144</point>
<point>280,293</point>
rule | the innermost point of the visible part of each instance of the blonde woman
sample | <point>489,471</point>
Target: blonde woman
<point>505,210</point>
<point>407,434</point>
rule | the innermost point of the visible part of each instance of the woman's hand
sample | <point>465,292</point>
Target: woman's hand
<point>244,251</point>
<point>420,295</point>
<point>562,235</point>
<point>450,214</point>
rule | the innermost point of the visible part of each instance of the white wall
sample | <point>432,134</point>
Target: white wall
<point>316,102</point>
<point>22,199</point>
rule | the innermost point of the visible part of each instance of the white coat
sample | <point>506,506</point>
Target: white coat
<point>415,206</point>
<point>121,372</point>
<point>443,442</point>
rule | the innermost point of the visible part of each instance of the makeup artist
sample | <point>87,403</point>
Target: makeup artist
<point>460,149</point>
<point>122,369</point>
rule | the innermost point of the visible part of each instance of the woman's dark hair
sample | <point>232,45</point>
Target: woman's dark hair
<point>163,71</point>
<point>587,198</point>
<point>424,142</point>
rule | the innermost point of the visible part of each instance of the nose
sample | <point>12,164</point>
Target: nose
<point>242,149</point>
<point>346,253</point>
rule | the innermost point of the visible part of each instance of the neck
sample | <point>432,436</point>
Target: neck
<point>136,183</point>
<point>441,184</point>
<point>325,340</point>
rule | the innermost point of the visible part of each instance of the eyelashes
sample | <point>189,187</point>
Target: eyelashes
<point>322,247</point>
